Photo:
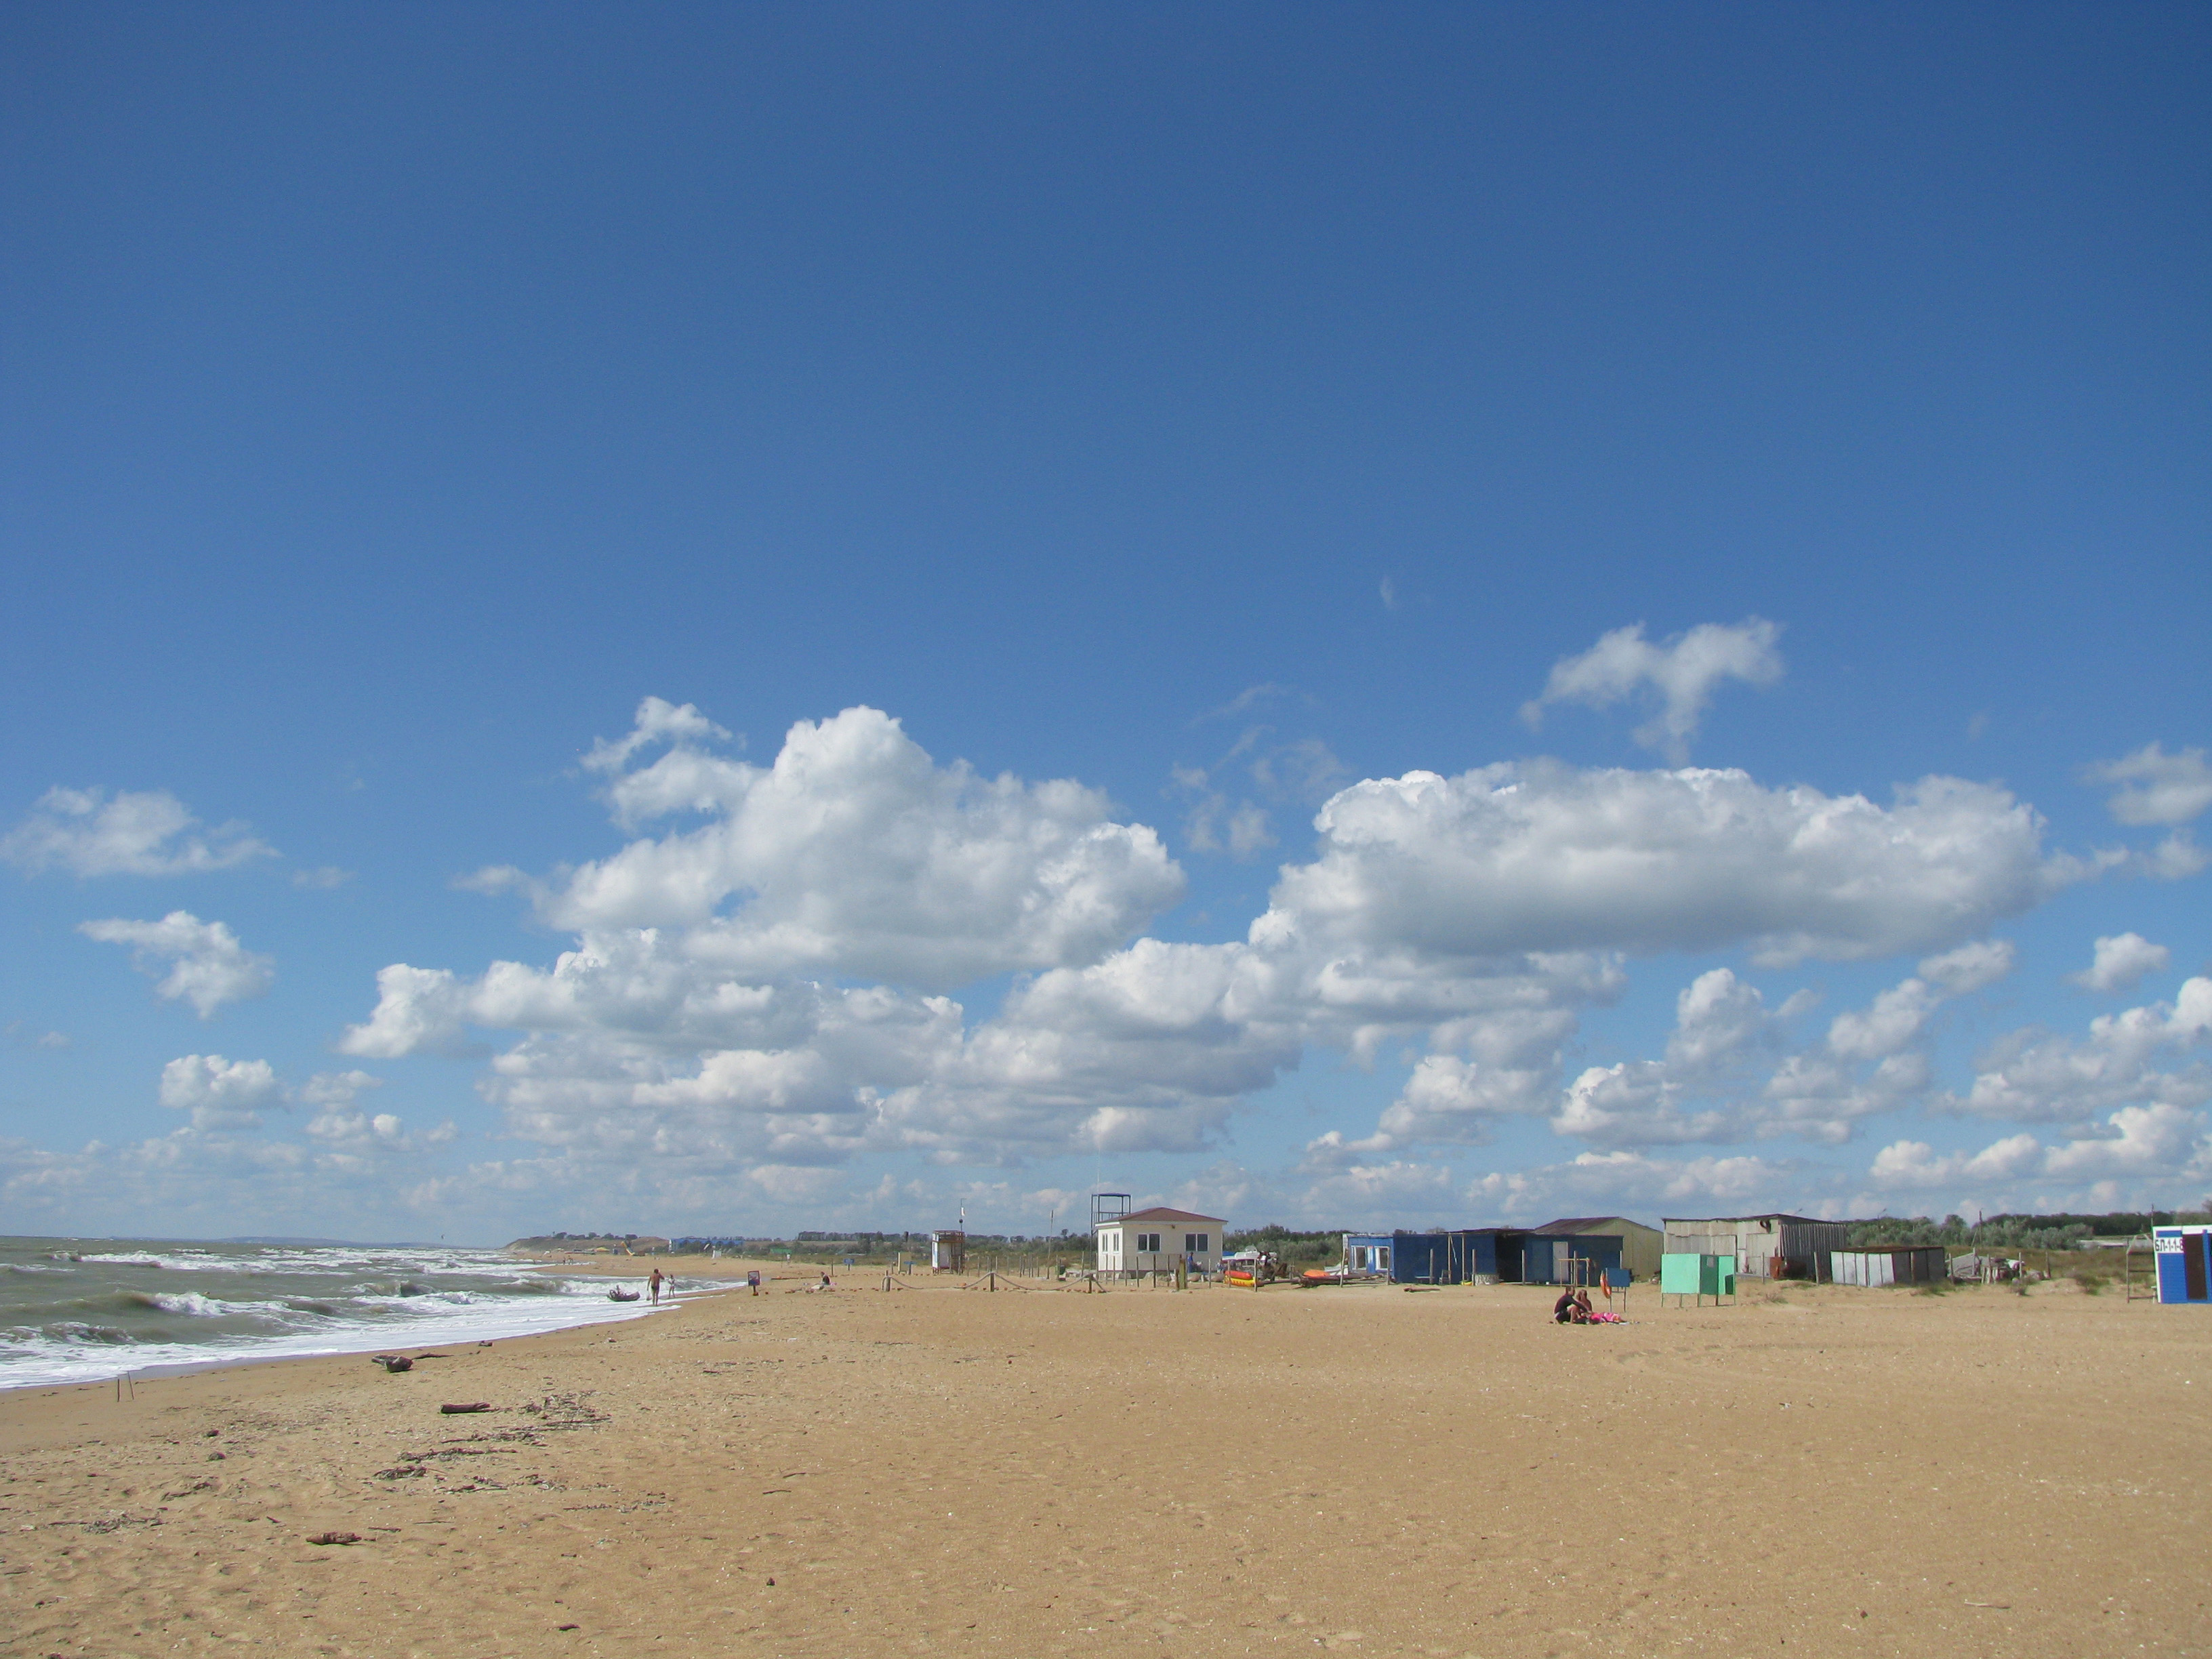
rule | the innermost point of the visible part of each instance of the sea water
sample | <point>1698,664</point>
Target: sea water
<point>82,1310</point>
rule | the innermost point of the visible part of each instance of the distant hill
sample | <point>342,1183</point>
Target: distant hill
<point>348,1244</point>
<point>616,1241</point>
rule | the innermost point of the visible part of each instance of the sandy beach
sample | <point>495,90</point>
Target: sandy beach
<point>1032,1471</point>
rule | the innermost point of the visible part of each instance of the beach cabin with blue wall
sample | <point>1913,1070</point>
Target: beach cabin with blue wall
<point>1475,1255</point>
<point>1552,1255</point>
<point>1456,1257</point>
<point>1367,1253</point>
<point>2185,1263</point>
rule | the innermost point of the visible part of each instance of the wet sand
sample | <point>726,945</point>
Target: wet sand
<point>1031,1472</point>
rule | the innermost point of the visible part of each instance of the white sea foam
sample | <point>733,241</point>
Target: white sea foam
<point>276,1302</point>
<point>193,1303</point>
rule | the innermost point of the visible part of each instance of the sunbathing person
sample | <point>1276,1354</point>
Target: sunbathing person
<point>1563,1310</point>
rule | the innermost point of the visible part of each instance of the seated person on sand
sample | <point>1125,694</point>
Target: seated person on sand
<point>1582,1306</point>
<point>1563,1310</point>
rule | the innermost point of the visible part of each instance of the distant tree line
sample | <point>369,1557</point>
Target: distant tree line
<point>2034,1232</point>
<point>1289,1246</point>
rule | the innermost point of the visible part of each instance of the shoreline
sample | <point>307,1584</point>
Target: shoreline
<point>104,1368</point>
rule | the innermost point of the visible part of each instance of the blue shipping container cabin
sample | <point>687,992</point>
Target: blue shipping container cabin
<point>1566,1258</point>
<point>1471,1255</point>
<point>1445,1258</point>
<point>2185,1263</point>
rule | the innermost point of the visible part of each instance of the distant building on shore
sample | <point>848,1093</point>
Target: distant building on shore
<point>1573,1251</point>
<point>1156,1240</point>
<point>1771,1246</point>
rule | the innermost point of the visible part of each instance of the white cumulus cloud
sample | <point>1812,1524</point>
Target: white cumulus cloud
<point>1545,857</point>
<point>772,984</point>
<point>2163,1140</point>
<point>855,854</point>
<point>135,833</point>
<point>219,1093</point>
<point>2119,963</point>
<point>1681,674</point>
<point>207,965</point>
<point>2032,1076</point>
<point>2156,787</point>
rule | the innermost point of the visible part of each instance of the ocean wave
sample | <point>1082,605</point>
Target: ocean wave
<point>390,1287</point>
<point>78,1330</point>
<point>151,1303</point>
<point>175,1264</point>
<point>190,1302</point>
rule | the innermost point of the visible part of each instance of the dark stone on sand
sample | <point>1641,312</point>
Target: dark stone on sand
<point>450,1410</point>
<point>334,1537</point>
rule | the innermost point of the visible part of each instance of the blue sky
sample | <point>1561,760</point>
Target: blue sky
<point>1094,493</point>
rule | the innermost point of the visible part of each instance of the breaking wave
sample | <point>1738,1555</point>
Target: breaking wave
<point>74,1314</point>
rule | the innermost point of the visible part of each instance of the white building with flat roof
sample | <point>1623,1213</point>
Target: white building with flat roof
<point>1155,1240</point>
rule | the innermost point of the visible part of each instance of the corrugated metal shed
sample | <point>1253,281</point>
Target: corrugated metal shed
<point>1771,1246</point>
<point>1904,1264</point>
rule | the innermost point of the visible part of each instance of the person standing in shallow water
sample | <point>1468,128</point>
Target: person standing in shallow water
<point>652,1284</point>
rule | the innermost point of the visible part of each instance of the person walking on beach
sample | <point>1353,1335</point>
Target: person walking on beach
<point>653,1285</point>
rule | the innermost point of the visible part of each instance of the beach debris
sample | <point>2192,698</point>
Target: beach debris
<point>403,1472</point>
<point>449,1409</point>
<point>434,1356</point>
<point>334,1537</point>
<point>568,1627</point>
<point>393,1362</point>
<point>215,1457</point>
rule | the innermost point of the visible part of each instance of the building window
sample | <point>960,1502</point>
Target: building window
<point>1195,1243</point>
<point>1148,1242</point>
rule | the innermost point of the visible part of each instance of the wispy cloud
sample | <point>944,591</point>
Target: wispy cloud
<point>207,965</point>
<point>1681,673</point>
<point>145,833</point>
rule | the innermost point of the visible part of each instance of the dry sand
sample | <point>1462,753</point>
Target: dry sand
<point>1033,1472</point>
